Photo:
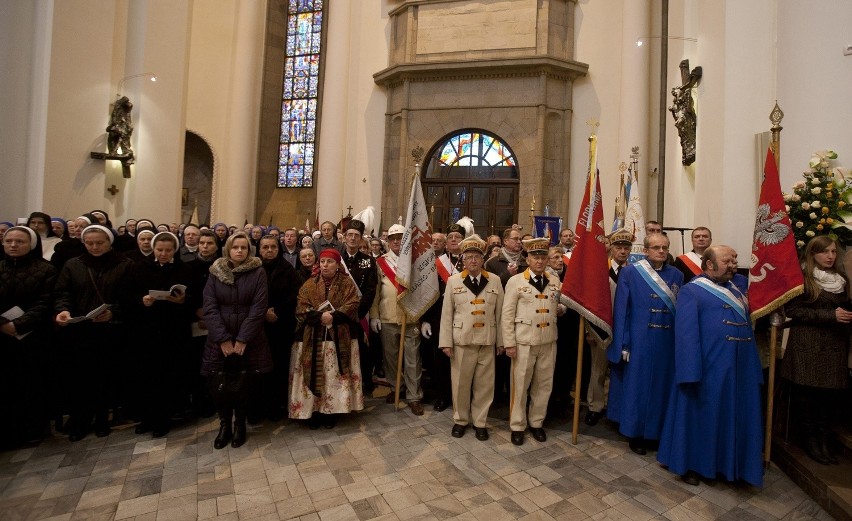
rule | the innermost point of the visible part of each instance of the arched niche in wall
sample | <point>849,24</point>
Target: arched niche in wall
<point>198,166</point>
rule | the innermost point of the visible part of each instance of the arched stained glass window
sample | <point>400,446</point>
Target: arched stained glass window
<point>472,154</point>
<point>299,108</point>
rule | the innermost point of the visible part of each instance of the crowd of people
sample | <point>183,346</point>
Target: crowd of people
<point>152,323</point>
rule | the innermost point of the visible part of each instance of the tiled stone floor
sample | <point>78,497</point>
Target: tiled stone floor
<point>377,464</point>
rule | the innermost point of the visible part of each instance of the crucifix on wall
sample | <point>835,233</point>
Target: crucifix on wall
<point>683,111</point>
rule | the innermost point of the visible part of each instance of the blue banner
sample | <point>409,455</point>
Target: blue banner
<point>547,226</point>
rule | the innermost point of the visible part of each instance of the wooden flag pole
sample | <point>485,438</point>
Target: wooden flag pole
<point>776,320</point>
<point>399,364</point>
<point>578,380</point>
<point>770,390</point>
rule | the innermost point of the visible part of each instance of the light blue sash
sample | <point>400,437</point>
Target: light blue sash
<point>657,283</point>
<point>724,294</point>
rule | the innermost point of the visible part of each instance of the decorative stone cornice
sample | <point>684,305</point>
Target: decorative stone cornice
<point>567,70</point>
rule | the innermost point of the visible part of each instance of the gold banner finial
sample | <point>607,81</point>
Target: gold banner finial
<point>417,153</point>
<point>593,124</point>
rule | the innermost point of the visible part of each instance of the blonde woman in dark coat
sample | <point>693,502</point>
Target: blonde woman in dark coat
<point>816,357</point>
<point>235,304</point>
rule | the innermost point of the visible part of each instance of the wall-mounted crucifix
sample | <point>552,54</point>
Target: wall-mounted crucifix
<point>683,111</point>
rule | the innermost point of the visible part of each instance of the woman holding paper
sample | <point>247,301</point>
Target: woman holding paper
<point>161,318</point>
<point>235,304</point>
<point>325,368</point>
<point>26,283</point>
<point>88,303</point>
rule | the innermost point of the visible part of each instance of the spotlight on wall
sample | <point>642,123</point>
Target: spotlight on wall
<point>641,41</point>
<point>150,75</point>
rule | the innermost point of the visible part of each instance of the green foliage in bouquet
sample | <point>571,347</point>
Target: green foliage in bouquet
<point>822,203</point>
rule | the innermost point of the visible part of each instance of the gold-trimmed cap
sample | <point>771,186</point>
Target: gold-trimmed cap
<point>621,236</point>
<point>473,243</point>
<point>537,246</point>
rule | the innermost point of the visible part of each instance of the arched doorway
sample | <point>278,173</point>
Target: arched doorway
<point>197,178</point>
<point>473,173</point>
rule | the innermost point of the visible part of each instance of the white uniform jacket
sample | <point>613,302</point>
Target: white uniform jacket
<point>468,319</point>
<point>529,317</point>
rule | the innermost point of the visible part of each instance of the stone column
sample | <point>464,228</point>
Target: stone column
<point>235,185</point>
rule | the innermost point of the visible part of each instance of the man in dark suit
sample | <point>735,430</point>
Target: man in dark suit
<point>362,269</point>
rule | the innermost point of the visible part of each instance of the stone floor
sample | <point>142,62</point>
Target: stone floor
<point>378,464</point>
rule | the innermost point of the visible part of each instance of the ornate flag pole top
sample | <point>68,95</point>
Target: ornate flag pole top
<point>417,153</point>
<point>775,117</point>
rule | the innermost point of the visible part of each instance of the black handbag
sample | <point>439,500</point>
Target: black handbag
<point>233,384</point>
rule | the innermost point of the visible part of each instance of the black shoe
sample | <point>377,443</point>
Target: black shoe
<point>813,448</point>
<point>239,434</point>
<point>826,451</point>
<point>691,478</point>
<point>517,437</point>
<point>224,436</point>
<point>76,436</point>
<point>539,434</point>
<point>459,430</point>
<point>441,404</point>
<point>481,433</point>
<point>637,445</point>
<point>592,417</point>
<point>160,431</point>
<point>102,431</point>
<point>329,421</point>
<point>314,421</point>
<point>142,428</point>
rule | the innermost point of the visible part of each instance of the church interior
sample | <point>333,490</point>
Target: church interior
<point>251,111</point>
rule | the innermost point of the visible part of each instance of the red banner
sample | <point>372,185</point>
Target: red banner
<point>775,276</point>
<point>586,285</point>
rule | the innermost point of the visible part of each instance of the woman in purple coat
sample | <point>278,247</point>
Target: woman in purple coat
<point>235,303</point>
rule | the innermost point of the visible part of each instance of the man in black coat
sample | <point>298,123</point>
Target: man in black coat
<point>362,269</point>
<point>280,324</point>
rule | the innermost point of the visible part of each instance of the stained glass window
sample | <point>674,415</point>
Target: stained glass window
<point>472,154</point>
<point>300,94</point>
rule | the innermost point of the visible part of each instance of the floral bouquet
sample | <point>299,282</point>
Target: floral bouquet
<point>822,203</point>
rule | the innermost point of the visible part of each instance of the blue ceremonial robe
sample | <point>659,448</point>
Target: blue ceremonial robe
<point>714,423</point>
<point>639,390</point>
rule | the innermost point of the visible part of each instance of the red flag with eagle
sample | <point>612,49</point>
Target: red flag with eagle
<point>775,276</point>
<point>586,285</point>
<point>416,272</point>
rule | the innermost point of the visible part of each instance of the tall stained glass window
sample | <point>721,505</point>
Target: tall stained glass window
<point>296,151</point>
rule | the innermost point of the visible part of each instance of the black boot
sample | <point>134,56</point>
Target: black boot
<point>827,452</point>
<point>225,433</point>
<point>239,429</point>
<point>813,448</point>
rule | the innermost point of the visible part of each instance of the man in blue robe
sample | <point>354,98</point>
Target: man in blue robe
<point>713,425</point>
<point>642,351</point>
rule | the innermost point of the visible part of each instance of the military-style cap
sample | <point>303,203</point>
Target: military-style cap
<point>473,243</point>
<point>396,229</point>
<point>621,236</point>
<point>355,224</point>
<point>455,228</point>
<point>537,246</point>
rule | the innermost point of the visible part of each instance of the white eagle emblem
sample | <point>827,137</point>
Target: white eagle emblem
<point>768,228</point>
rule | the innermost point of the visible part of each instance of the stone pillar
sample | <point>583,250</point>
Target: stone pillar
<point>157,41</point>
<point>235,185</point>
<point>636,91</point>
<point>334,135</point>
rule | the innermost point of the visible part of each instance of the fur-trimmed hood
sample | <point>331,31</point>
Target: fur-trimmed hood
<point>221,269</point>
